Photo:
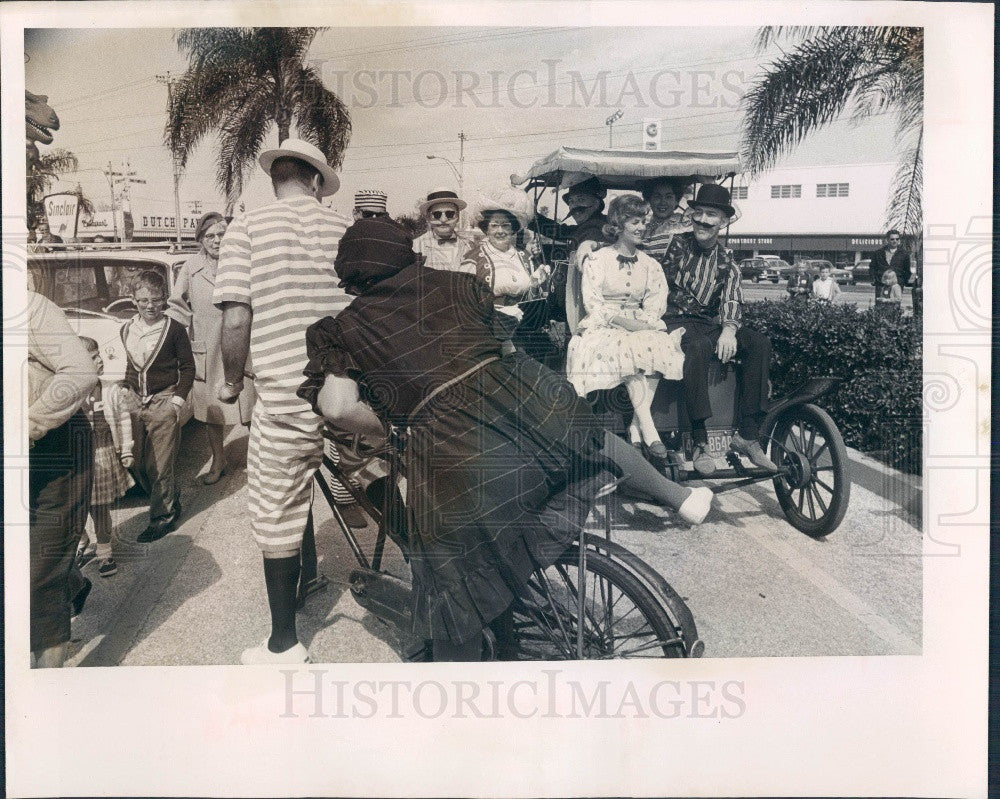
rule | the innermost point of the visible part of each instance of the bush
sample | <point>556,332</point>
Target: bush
<point>878,406</point>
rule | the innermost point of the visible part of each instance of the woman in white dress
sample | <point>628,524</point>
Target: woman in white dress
<point>622,339</point>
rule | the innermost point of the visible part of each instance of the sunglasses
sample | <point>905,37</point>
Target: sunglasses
<point>369,214</point>
<point>439,215</point>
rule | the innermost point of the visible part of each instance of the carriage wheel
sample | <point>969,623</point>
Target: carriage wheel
<point>622,617</point>
<point>815,492</point>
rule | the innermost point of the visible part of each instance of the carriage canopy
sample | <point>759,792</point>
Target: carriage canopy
<point>625,169</point>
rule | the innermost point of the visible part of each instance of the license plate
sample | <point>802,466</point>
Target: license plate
<point>718,443</point>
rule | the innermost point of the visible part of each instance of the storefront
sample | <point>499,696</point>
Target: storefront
<point>839,249</point>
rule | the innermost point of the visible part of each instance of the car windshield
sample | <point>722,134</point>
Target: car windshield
<point>90,283</point>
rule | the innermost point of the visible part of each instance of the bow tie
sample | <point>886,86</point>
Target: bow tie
<point>627,260</point>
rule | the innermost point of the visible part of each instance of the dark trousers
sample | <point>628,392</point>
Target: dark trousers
<point>753,350</point>
<point>157,436</point>
<point>60,475</point>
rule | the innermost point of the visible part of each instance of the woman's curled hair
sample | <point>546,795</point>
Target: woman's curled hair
<point>622,209</point>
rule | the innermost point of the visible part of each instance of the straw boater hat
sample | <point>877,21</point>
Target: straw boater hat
<point>441,196</point>
<point>371,200</point>
<point>303,151</point>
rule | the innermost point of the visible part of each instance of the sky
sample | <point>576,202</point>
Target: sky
<point>516,93</point>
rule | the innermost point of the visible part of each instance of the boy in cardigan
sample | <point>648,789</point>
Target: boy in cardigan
<point>159,374</point>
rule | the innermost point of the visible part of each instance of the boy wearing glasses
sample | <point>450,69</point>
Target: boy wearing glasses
<point>442,246</point>
<point>159,374</point>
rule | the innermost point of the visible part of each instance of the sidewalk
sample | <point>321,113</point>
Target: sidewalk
<point>197,596</point>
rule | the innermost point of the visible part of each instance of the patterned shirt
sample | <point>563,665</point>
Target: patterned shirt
<point>446,254</point>
<point>703,284</point>
<point>278,259</point>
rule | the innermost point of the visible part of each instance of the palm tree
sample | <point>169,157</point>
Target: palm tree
<point>239,82</point>
<point>42,172</point>
<point>872,71</point>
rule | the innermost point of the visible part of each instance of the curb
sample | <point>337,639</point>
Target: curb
<point>906,490</point>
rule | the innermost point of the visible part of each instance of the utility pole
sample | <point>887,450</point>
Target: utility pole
<point>169,79</point>
<point>461,170</point>
<point>110,174</point>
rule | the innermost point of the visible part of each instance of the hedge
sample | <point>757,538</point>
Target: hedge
<point>878,406</point>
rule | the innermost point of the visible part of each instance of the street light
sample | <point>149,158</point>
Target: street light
<point>610,122</point>
<point>458,176</point>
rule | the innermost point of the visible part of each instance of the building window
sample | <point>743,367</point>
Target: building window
<point>740,193</point>
<point>832,189</point>
<point>787,191</point>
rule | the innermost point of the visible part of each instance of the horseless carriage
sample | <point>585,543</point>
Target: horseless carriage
<point>812,484</point>
<point>599,600</point>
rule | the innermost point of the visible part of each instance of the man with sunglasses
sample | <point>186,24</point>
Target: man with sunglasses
<point>442,246</point>
<point>370,204</point>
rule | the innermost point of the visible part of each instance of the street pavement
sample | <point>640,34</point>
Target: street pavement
<point>756,586</point>
<point>862,295</point>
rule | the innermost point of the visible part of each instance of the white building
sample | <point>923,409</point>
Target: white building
<point>833,212</point>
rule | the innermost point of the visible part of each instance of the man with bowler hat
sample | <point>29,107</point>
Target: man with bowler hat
<point>707,301</point>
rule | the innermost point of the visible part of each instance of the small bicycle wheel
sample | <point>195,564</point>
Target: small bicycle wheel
<point>816,489</point>
<point>622,617</point>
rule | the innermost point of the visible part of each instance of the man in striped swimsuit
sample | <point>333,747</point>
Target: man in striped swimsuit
<point>276,278</point>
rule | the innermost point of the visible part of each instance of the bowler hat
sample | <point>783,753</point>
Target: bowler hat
<point>712,195</point>
<point>591,186</point>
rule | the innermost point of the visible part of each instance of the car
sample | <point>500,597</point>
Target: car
<point>90,285</point>
<point>839,274</point>
<point>752,268</point>
<point>777,269</point>
<point>862,272</point>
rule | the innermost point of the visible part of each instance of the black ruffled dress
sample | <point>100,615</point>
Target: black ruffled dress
<point>501,466</point>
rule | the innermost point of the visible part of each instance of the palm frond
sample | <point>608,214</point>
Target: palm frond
<point>240,140</point>
<point>202,99</point>
<point>215,47</point>
<point>321,116</point>
<point>905,208</point>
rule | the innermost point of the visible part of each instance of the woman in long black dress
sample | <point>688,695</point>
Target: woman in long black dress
<point>503,457</point>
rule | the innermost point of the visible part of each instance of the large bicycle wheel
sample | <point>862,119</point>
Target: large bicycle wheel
<point>622,617</point>
<point>816,489</point>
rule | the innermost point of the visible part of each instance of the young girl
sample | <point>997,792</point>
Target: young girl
<point>112,456</point>
<point>623,339</point>
<point>889,296</point>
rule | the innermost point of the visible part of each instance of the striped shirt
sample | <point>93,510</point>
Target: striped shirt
<point>278,259</point>
<point>704,284</point>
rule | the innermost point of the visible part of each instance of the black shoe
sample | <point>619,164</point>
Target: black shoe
<point>81,598</point>
<point>84,555</point>
<point>107,568</point>
<point>155,532</point>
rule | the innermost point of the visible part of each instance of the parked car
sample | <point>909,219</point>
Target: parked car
<point>91,286</point>
<point>777,270</point>
<point>839,274</point>
<point>862,272</point>
<point>752,268</point>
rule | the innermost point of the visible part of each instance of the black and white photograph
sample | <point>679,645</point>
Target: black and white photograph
<point>459,349</point>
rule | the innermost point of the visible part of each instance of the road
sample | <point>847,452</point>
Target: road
<point>863,295</point>
<point>756,586</point>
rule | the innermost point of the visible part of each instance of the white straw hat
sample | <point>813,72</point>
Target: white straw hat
<point>303,151</point>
